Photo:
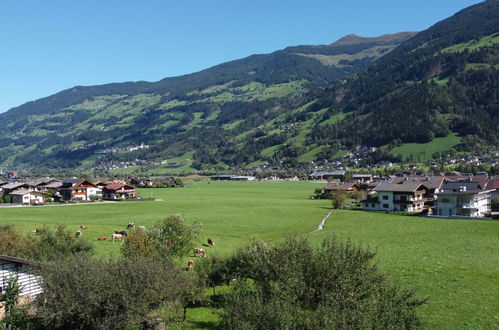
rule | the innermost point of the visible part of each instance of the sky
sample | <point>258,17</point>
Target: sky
<point>49,46</point>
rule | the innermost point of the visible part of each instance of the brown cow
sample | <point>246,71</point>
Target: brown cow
<point>200,252</point>
<point>130,225</point>
<point>211,242</point>
<point>190,264</point>
<point>83,227</point>
<point>103,238</point>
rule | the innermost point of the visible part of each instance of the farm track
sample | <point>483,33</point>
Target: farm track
<point>323,222</point>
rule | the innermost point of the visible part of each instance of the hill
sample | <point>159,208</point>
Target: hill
<point>98,126</point>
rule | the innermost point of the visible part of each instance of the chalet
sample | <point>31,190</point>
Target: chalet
<point>466,199</point>
<point>25,270</point>
<point>27,197</point>
<point>362,178</point>
<point>79,190</point>
<point>493,186</point>
<point>408,197</point>
<point>118,191</point>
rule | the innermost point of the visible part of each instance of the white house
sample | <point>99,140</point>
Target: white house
<point>410,197</point>
<point>26,197</point>
<point>466,199</point>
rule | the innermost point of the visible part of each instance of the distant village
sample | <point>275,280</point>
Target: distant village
<point>41,191</point>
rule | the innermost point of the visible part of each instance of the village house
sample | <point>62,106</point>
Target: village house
<point>362,178</point>
<point>493,186</point>
<point>347,186</point>
<point>408,197</point>
<point>24,270</point>
<point>81,190</point>
<point>27,197</point>
<point>463,199</point>
<point>13,186</point>
<point>327,175</point>
<point>118,191</point>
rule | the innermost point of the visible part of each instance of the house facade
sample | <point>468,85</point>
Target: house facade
<point>463,199</point>
<point>27,197</point>
<point>82,190</point>
<point>118,191</point>
<point>409,197</point>
<point>25,271</point>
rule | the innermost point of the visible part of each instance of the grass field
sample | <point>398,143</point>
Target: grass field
<point>424,151</point>
<point>454,263</point>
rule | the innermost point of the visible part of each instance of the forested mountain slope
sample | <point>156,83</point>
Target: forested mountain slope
<point>445,79</point>
<point>98,125</point>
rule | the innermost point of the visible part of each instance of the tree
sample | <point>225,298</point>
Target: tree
<point>495,204</point>
<point>15,244</point>
<point>173,236</point>
<point>338,198</point>
<point>84,293</point>
<point>293,285</point>
<point>58,243</point>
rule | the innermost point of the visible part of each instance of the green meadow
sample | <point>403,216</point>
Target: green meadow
<point>424,151</point>
<point>453,263</point>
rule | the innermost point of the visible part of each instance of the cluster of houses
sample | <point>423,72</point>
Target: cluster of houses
<point>437,195</point>
<point>38,191</point>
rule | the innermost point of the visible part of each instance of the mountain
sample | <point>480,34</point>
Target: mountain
<point>97,125</point>
<point>443,82</point>
<point>435,91</point>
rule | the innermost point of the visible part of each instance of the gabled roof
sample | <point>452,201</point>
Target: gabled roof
<point>404,187</point>
<point>22,192</point>
<point>117,186</point>
<point>19,260</point>
<point>83,182</point>
<point>493,183</point>
<point>53,185</point>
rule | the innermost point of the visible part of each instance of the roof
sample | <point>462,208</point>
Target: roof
<point>431,182</point>
<point>472,187</point>
<point>404,187</point>
<point>342,186</point>
<point>327,173</point>
<point>117,186</point>
<point>493,183</point>
<point>22,192</point>
<point>54,185</point>
<point>19,260</point>
<point>362,176</point>
<point>13,185</point>
<point>82,181</point>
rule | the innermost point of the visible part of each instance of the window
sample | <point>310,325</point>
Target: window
<point>385,197</point>
<point>372,205</point>
<point>385,206</point>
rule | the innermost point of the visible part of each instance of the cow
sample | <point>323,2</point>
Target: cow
<point>38,230</point>
<point>130,225</point>
<point>190,264</point>
<point>83,227</point>
<point>211,242</point>
<point>117,236</point>
<point>143,228</point>
<point>121,232</point>
<point>200,252</point>
<point>103,238</point>
<point>78,233</point>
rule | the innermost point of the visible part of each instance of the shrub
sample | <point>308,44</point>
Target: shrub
<point>295,286</point>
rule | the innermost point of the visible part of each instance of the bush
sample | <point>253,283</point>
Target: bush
<point>296,286</point>
<point>13,243</point>
<point>84,293</point>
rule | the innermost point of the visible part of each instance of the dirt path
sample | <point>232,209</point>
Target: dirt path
<point>323,222</point>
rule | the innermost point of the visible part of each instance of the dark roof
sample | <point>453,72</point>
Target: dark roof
<point>431,182</point>
<point>19,260</point>
<point>404,187</point>
<point>461,187</point>
<point>13,185</point>
<point>117,186</point>
<point>493,183</point>
<point>21,192</point>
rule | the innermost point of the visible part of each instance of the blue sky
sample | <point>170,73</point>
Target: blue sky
<point>48,46</point>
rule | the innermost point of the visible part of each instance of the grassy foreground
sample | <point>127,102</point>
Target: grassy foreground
<point>454,263</point>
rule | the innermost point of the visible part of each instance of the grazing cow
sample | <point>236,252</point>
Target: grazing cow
<point>121,232</point>
<point>117,236</point>
<point>190,264</point>
<point>78,233</point>
<point>200,252</point>
<point>83,227</point>
<point>143,228</point>
<point>38,230</point>
<point>130,225</point>
<point>211,242</point>
<point>103,238</point>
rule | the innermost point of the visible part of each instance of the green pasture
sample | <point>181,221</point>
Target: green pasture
<point>453,263</point>
<point>424,151</point>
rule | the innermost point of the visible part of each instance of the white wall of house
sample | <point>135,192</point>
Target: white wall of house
<point>30,283</point>
<point>385,199</point>
<point>473,205</point>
